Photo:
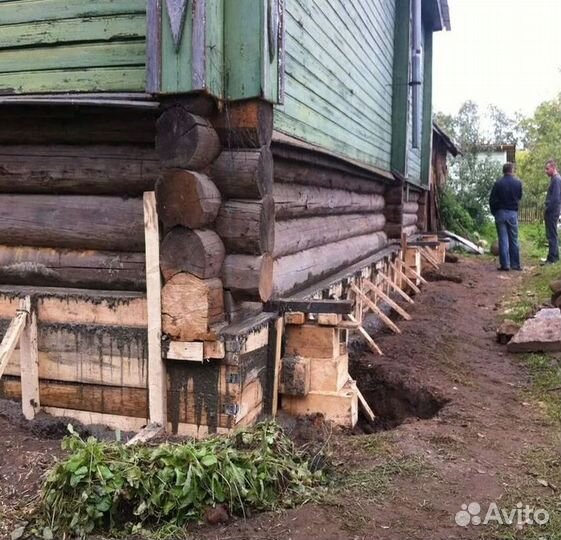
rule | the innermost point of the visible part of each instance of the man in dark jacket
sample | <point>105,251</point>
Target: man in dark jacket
<point>505,196</point>
<point>552,209</point>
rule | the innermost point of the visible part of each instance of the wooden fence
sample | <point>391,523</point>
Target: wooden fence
<point>530,213</point>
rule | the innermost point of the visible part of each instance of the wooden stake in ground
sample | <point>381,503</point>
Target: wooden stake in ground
<point>147,433</point>
<point>429,258</point>
<point>387,299</point>
<point>376,310</point>
<point>157,383</point>
<point>397,289</point>
<point>366,335</point>
<point>416,274</point>
<point>406,278</point>
<point>368,412</point>
<point>29,363</point>
<point>11,338</point>
<point>279,328</point>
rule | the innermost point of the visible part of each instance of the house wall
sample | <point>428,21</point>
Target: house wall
<point>338,79</point>
<point>72,45</point>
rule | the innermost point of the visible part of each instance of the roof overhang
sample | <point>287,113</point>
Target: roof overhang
<point>438,13</point>
<point>451,146</point>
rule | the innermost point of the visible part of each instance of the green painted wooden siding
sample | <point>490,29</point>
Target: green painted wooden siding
<point>72,45</point>
<point>179,72</point>
<point>426,156</point>
<point>414,154</point>
<point>339,72</point>
<point>249,69</point>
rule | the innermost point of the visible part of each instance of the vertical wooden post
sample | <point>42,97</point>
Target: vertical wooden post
<point>279,329</point>
<point>157,383</point>
<point>29,363</point>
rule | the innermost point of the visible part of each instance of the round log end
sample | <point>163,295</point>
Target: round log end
<point>199,252</point>
<point>187,198</point>
<point>185,140</point>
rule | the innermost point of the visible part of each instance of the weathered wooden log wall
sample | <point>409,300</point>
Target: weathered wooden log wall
<point>246,220</point>
<point>71,184</point>
<point>214,202</point>
<point>328,216</point>
<point>404,210</point>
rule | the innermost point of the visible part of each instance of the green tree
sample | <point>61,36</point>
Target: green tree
<point>472,175</point>
<point>543,143</point>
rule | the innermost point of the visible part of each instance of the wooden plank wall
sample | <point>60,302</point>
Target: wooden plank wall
<point>72,45</point>
<point>338,88</point>
<point>93,360</point>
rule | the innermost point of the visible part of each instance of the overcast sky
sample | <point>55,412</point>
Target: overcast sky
<point>502,52</point>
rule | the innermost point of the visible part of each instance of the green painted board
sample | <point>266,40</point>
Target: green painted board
<point>242,31</point>
<point>338,77</point>
<point>108,28</point>
<point>186,69</point>
<point>353,110</point>
<point>250,71</point>
<point>72,45</point>
<point>80,80</point>
<point>126,53</point>
<point>177,67</point>
<point>215,47</point>
<point>426,154</point>
<point>27,11</point>
<point>414,155</point>
<point>400,106</point>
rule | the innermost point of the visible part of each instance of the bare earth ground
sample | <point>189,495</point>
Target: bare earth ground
<point>488,441</point>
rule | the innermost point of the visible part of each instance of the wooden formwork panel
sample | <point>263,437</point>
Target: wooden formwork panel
<point>339,407</point>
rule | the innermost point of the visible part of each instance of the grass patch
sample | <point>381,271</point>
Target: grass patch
<point>541,465</point>
<point>545,372</point>
<point>379,445</point>
<point>376,483</point>
<point>533,290</point>
<point>537,490</point>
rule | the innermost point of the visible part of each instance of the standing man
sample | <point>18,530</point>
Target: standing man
<point>504,200</point>
<point>552,209</point>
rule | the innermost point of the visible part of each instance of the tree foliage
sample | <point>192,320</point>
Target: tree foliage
<point>472,175</point>
<point>543,143</point>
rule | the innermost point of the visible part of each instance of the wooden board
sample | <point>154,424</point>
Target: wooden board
<point>72,221</point>
<point>78,306</point>
<point>157,387</point>
<point>338,407</point>
<point>312,341</point>
<point>309,306</point>
<point>109,356</point>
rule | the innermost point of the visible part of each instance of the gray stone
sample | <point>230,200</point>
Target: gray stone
<point>548,313</point>
<point>541,333</point>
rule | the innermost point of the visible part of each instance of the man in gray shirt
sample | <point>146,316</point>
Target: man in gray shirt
<point>552,210</point>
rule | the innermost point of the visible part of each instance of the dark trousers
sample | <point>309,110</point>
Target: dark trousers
<point>507,231</point>
<point>551,217</point>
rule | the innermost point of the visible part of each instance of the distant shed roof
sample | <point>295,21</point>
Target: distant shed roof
<point>451,146</point>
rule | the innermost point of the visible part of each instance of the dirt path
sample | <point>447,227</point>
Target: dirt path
<point>410,481</point>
